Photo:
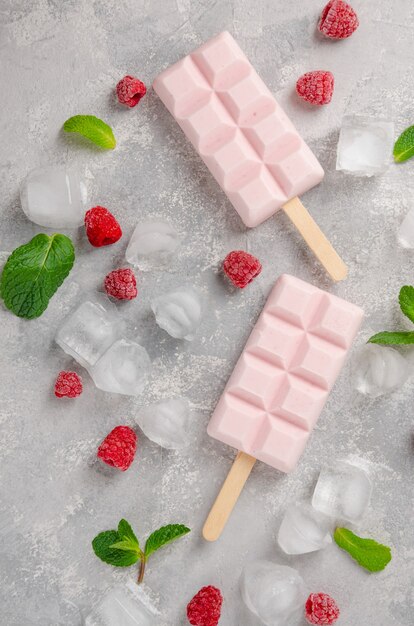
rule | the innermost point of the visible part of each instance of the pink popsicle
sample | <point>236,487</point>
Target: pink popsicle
<point>245,138</point>
<point>285,373</point>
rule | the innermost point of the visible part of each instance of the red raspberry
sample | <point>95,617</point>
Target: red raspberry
<point>130,90</point>
<point>68,384</point>
<point>241,267</point>
<point>102,229</point>
<point>321,609</point>
<point>118,448</point>
<point>316,87</point>
<point>121,284</point>
<point>205,608</point>
<point>338,20</point>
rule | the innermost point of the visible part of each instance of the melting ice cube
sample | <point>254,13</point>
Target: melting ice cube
<point>343,491</point>
<point>178,312</point>
<point>152,244</point>
<point>167,423</point>
<point>275,593</point>
<point>406,231</point>
<point>124,605</point>
<point>365,145</point>
<point>89,331</point>
<point>379,370</point>
<point>304,530</point>
<point>54,197</point>
<point>124,368</point>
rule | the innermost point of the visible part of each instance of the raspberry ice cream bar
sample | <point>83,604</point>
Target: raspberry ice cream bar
<point>245,138</point>
<point>284,375</point>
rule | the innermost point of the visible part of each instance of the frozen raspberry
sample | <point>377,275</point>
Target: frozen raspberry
<point>118,448</point>
<point>316,87</point>
<point>130,90</point>
<point>241,267</point>
<point>121,284</point>
<point>321,609</point>
<point>68,385</point>
<point>102,229</point>
<point>205,608</point>
<point>338,20</point>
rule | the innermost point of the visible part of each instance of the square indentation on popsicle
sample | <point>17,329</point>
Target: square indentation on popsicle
<point>210,127</point>
<point>279,444</point>
<point>318,361</point>
<point>272,138</point>
<point>275,340</point>
<point>248,101</point>
<point>236,422</point>
<point>234,164</point>
<point>283,301</point>
<point>301,402</point>
<point>222,62</point>
<point>184,89</point>
<point>298,171</point>
<point>336,321</point>
<point>257,198</point>
<point>256,381</point>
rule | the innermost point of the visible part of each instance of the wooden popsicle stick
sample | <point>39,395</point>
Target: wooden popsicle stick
<point>315,239</point>
<point>228,496</point>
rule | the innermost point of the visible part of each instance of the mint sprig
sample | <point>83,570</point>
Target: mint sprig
<point>370,554</point>
<point>404,146</point>
<point>400,337</point>
<point>34,272</point>
<point>92,128</point>
<point>121,547</point>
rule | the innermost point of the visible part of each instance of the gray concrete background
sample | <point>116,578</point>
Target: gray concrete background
<point>63,58</point>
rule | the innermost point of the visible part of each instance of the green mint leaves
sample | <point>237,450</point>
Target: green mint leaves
<point>121,547</point>
<point>93,129</point>
<point>118,547</point>
<point>406,300</point>
<point>404,146</point>
<point>399,338</point>
<point>403,337</point>
<point>34,272</point>
<point>163,536</point>
<point>368,553</point>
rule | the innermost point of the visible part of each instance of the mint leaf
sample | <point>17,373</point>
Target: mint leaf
<point>121,547</point>
<point>110,548</point>
<point>368,553</point>
<point>398,338</point>
<point>126,532</point>
<point>93,129</point>
<point>34,272</point>
<point>406,299</point>
<point>163,536</point>
<point>404,146</point>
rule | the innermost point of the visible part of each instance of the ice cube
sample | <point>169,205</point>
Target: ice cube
<point>152,244</point>
<point>275,593</point>
<point>124,368</point>
<point>379,370</point>
<point>365,145</point>
<point>304,530</point>
<point>167,423</point>
<point>54,197</point>
<point>89,331</point>
<point>343,491</point>
<point>178,312</point>
<point>406,231</point>
<point>124,605</point>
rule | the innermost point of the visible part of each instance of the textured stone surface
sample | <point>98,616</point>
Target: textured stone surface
<point>63,58</point>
